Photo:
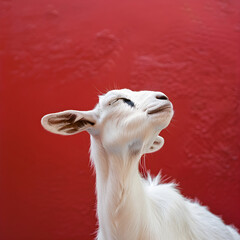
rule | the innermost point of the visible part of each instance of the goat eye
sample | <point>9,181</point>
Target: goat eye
<point>129,102</point>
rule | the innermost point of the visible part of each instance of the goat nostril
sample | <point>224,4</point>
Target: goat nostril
<point>161,97</point>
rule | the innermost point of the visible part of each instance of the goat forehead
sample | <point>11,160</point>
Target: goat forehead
<point>127,93</point>
<point>119,92</point>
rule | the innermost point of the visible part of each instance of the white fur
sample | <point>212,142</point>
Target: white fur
<point>128,206</point>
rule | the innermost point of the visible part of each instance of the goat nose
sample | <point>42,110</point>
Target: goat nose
<point>161,97</point>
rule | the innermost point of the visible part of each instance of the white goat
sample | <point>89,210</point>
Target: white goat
<point>123,126</point>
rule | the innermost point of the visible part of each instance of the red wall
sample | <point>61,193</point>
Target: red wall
<point>58,54</point>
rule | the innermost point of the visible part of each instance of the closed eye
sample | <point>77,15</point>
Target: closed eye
<point>125,100</point>
<point>128,101</point>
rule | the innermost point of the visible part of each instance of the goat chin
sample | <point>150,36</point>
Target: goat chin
<point>123,126</point>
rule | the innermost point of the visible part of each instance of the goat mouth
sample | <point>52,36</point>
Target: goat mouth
<point>159,109</point>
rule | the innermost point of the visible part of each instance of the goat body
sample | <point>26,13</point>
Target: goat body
<point>130,207</point>
<point>124,126</point>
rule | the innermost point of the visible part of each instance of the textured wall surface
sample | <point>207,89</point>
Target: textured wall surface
<point>57,55</point>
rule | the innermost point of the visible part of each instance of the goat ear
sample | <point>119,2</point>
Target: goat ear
<point>156,145</point>
<point>68,122</point>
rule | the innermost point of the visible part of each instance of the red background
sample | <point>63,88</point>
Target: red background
<point>58,55</point>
